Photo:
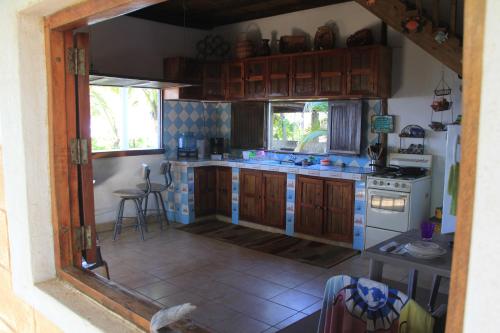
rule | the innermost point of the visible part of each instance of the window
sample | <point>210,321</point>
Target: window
<point>125,118</point>
<point>300,127</point>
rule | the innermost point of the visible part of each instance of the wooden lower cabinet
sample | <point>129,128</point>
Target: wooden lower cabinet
<point>324,208</point>
<point>262,197</point>
<point>274,199</point>
<point>205,189</point>
<point>224,190</point>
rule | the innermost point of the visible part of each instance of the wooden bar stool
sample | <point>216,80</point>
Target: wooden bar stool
<point>156,190</point>
<point>136,196</point>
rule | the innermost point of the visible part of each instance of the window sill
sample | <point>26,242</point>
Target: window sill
<point>122,153</point>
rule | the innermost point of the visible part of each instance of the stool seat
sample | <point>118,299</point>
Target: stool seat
<point>129,193</point>
<point>155,187</point>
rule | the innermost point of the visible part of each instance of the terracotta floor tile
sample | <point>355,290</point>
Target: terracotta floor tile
<point>241,324</point>
<point>289,321</point>
<point>295,299</point>
<point>181,298</point>
<point>158,290</point>
<point>313,308</point>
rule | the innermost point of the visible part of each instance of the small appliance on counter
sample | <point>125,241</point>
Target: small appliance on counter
<point>216,148</point>
<point>186,146</point>
<point>202,146</point>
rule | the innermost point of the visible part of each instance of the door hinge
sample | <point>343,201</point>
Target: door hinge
<point>76,61</point>
<point>83,238</point>
<point>79,151</point>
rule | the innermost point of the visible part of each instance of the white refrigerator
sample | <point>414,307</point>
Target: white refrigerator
<point>451,172</point>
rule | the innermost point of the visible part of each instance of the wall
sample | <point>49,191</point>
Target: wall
<point>414,73</point>
<point>131,46</point>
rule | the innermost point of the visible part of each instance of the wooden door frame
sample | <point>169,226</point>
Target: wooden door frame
<point>140,311</point>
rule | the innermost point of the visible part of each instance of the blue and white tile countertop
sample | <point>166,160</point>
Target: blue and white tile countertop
<point>181,194</point>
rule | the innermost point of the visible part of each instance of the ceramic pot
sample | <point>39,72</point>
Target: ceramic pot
<point>264,48</point>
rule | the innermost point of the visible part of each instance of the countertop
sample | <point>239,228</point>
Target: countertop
<point>333,171</point>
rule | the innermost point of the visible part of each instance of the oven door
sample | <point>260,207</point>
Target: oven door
<point>388,210</point>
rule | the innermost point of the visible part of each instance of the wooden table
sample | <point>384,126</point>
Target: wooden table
<point>439,267</point>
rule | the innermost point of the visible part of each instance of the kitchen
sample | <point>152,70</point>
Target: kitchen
<point>414,75</point>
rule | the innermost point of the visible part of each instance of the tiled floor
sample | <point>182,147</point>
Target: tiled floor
<point>235,289</point>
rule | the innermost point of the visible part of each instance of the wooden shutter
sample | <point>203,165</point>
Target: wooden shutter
<point>345,127</point>
<point>248,125</point>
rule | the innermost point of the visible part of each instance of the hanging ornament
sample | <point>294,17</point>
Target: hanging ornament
<point>442,101</point>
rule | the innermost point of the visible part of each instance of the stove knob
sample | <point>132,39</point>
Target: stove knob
<point>404,185</point>
<point>396,185</point>
<point>375,182</point>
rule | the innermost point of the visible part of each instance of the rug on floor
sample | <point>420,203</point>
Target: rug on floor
<point>306,251</point>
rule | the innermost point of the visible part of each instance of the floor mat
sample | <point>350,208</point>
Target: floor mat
<point>306,251</point>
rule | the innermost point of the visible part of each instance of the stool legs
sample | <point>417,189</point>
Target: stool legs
<point>119,219</point>
<point>163,207</point>
<point>158,213</point>
<point>140,217</point>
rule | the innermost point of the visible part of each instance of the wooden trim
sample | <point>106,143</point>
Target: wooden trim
<point>122,153</point>
<point>474,19</point>
<point>94,11</point>
<point>125,302</point>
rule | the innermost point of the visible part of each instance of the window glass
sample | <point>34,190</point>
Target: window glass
<point>124,118</point>
<point>299,127</point>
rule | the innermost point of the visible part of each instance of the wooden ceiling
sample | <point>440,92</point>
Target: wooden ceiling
<point>207,14</point>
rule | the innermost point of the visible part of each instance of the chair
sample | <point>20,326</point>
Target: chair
<point>156,190</point>
<point>362,305</point>
<point>136,196</point>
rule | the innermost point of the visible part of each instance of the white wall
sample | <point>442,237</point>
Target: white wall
<point>135,47</point>
<point>414,72</point>
<point>116,173</point>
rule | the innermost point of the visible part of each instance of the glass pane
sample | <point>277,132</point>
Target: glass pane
<point>124,118</point>
<point>299,127</point>
<point>388,203</point>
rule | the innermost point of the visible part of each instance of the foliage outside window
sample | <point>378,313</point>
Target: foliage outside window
<point>124,118</point>
<point>299,127</point>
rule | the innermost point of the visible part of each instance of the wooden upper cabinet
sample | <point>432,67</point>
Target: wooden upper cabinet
<point>248,125</point>
<point>303,74</point>
<point>213,81</point>
<point>250,204</point>
<point>274,199</point>
<point>279,76</point>
<point>369,71</point>
<point>205,191</point>
<point>224,191</point>
<point>309,205</point>
<point>235,80</point>
<point>256,78</point>
<point>339,210</point>
<point>332,73</point>
<point>345,124</point>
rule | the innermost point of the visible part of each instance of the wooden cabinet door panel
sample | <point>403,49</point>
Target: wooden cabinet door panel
<point>279,77</point>
<point>224,191</point>
<point>235,80</point>
<point>304,75</point>
<point>256,78</point>
<point>248,125</point>
<point>213,80</point>
<point>332,73</point>
<point>205,191</point>
<point>309,205</point>
<point>345,124</point>
<point>339,200</point>
<point>250,195</point>
<point>362,71</point>
<point>274,199</point>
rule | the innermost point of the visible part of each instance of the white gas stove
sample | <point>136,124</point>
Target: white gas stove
<point>397,201</point>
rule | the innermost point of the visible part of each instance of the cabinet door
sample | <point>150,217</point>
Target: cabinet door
<point>235,80</point>
<point>224,191</point>
<point>361,71</point>
<point>332,73</point>
<point>339,201</point>
<point>250,195</point>
<point>345,127</point>
<point>204,191</point>
<point>304,75</point>
<point>309,206</point>
<point>248,125</point>
<point>213,80</point>
<point>255,78</point>
<point>273,201</point>
<point>279,77</point>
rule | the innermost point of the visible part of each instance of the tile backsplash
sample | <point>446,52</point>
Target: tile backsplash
<point>204,119</point>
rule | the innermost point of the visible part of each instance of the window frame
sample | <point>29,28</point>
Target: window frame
<point>142,151</point>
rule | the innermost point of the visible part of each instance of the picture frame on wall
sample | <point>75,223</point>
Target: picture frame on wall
<point>382,124</point>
